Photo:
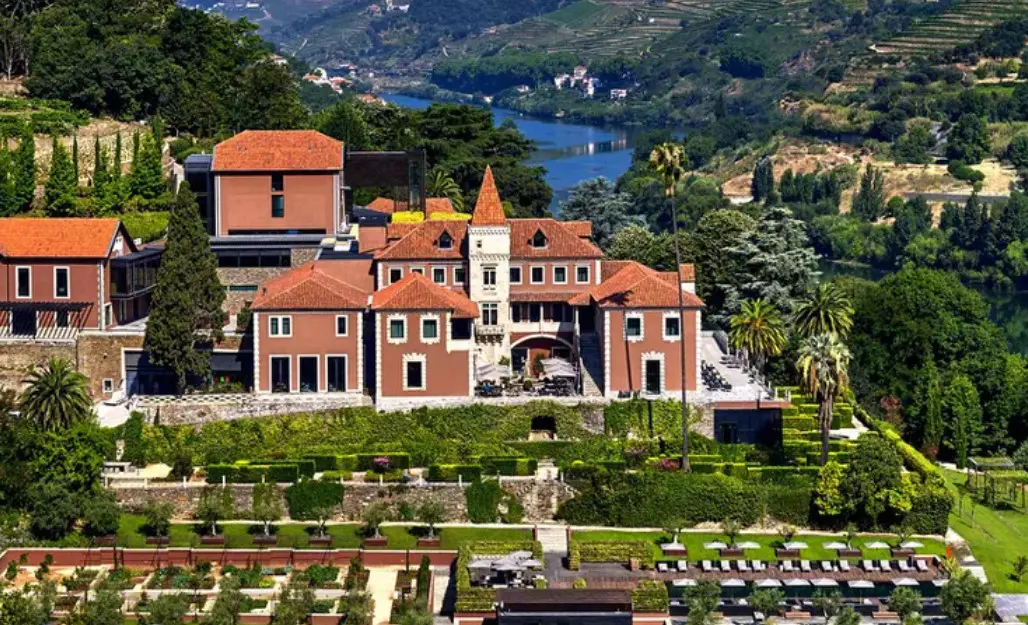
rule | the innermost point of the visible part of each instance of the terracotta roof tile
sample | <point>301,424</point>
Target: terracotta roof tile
<point>416,292</point>
<point>561,241</point>
<point>308,287</point>
<point>688,272</point>
<point>438,205</point>
<point>397,231</point>
<point>637,286</point>
<point>583,229</point>
<point>278,150</point>
<point>387,205</point>
<point>541,297</point>
<point>488,208</point>
<point>422,242</point>
<point>41,237</point>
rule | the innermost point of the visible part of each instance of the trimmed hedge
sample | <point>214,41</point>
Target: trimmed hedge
<point>650,595</point>
<point>245,473</point>
<point>397,460</point>
<point>335,476</point>
<point>475,600</point>
<point>508,465</point>
<point>307,499</point>
<point>616,551</point>
<point>450,472</point>
<point>539,449</point>
<point>799,422</point>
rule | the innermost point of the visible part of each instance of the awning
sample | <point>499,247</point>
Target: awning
<point>558,368</point>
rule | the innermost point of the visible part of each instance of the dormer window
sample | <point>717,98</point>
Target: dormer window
<point>445,241</point>
<point>539,239</point>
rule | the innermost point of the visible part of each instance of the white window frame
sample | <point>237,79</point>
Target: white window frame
<point>420,358</point>
<point>346,370</point>
<point>588,274</point>
<point>492,306</point>
<point>521,274</point>
<point>108,385</point>
<point>438,329</point>
<point>389,274</point>
<point>279,334</point>
<point>663,327</point>
<point>17,282</point>
<point>109,315</point>
<point>389,329</point>
<point>317,378</point>
<point>565,268</point>
<point>531,274</point>
<point>642,327</point>
<point>655,357</point>
<point>456,269</point>
<point>441,268</point>
<point>67,273</point>
<point>496,278</point>
<point>346,319</point>
<point>271,372</point>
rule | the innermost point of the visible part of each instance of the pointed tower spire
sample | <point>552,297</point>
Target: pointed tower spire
<point>488,208</point>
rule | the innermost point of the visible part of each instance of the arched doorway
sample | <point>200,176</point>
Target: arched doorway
<point>526,351</point>
<point>543,428</point>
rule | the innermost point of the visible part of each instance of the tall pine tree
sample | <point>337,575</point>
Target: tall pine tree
<point>118,151</point>
<point>59,190</point>
<point>147,177</point>
<point>23,166</point>
<point>186,311</point>
<point>75,157</point>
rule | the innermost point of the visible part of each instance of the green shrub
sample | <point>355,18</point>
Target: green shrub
<point>346,462</point>
<point>616,551</point>
<point>574,555</point>
<point>930,509</point>
<point>702,468</point>
<point>802,423</point>
<point>650,595</point>
<point>335,476</point>
<point>539,449</point>
<point>475,600</point>
<point>483,500</point>
<point>397,460</point>
<point>451,472</point>
<point>508,465</point>
<point>132,434</point>
<point>323,462</point>
<point>310,499</point>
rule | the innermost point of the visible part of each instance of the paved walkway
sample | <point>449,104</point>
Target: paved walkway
<point>381,585</point>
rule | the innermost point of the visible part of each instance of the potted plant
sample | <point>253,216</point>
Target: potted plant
<point>374,516</point>
<point>787,532</point>
<point>731,529</point>
<point>267,508</point>
<point>215,505</point>
<point>430,513</point>
<point>850,551</point>
<point>903,534</point>
<point>675,548</point>
<point>322,539</point>
<point>158,523</point>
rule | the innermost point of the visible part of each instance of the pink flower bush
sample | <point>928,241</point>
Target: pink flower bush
<point>380,464</point>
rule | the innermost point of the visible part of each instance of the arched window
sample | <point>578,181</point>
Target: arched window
<point>445,241</point>
<point>539,239</point>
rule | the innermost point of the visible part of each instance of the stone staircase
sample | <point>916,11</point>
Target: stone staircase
<point>592,365</point>
<point>554,539</point>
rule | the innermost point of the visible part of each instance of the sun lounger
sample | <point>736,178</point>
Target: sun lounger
<point>805,566</point>
<point>827,567</point>
<point>922,566</point>
<point>758,565</point>
<point>786,565</point>
<point>683,566</point>
<point>870,566</point>
<point>662,567</point>
<point>743,567</point>
<point>844,566</point>
<point>903,566</point>
<point>706,566</point>
<point>726,566</point>
<point>886,567</point>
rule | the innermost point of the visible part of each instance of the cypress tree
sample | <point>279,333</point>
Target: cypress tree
<point>101,173</point>
<point>23,165</point>
<point>60,183</point>
<point>147,177</point>
<point>135,149</point>
<point>932,408</point>
<point>75,157</point>
<point>186,310</point>
<point>7,203</point>
<point>117,157</point>
<point>763,185</point>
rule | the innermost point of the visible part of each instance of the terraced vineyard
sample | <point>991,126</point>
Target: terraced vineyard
<point>960,24</point>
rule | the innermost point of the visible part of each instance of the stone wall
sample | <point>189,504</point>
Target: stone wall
<point>540,499</point>
<point>99,357</point>
<point>17,358</point>
<point>208,409</point>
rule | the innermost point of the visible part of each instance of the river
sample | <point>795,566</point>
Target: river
<point>570,152</point>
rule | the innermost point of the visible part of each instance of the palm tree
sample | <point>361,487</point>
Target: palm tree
<point>758,329</point>
<point>56,396</point>
<point>822,364</point>
<point>668,160</point>
<point>441,184</point>
<point>827,311</point>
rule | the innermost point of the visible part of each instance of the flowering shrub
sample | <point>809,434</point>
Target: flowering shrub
<point>667,464</point>
<point>380,464</point>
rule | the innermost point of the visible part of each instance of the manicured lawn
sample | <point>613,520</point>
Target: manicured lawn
<point>297,535</point>
<point>768,543</point>
<point>996,537</point>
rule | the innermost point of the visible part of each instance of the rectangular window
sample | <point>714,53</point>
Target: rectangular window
<point>280,374</point>
<point>108,315</point>
<point>23,277</point>
<point>278,206</point>
<point>342,325</point>
<point>397,329</point>
<point>429,329</point>
<point>560,275</point>
<point>308,366</point>
<point>418,270</point>
<point>535,312</point>
<point>395,274</point>
<point>515,275</point>
<point>582,274</point>
<point>61,286</point>
<point>489,276</point>
<point>280,326</point>
<point>672,328</point>
<point>458,275</point>
<point>277,183</point>
<point>336,370</point>
<point>439,275</point>
<point>61,319</point>
<point>538,275</point>
<point>490,314</point>
<point>414,375</point>
<point>633,327</point>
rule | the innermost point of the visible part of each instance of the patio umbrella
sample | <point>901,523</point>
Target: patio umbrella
<point>836,545</point>
<point>748,544</point>
<point>768,583</point>
<point>860,583</point>
<point>508,567</point>
<point>796,582</point>
<point>520,555</point>
<point>795,545</point>
<point>715,545</point>
<point>487,372</point>
<point>911,544</point>
<point>530,563</point>
<point>483,565</point>
<point>877,544</point>
<point>905,581</point>
<point>558,368</point>
<point>684,582</point>
<point>732,583</point>
<point>824,583</point>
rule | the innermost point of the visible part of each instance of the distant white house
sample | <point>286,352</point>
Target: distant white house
<point>590,86</point>
<point>618,94</point>
<point>560,80</point>
<point>522,88</point>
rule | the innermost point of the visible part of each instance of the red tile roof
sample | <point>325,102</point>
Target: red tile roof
<point>397,231</point>
<point>278,150</point>
<point>438,205</point>
<point>561,241</point>
<point>634,285</point>
<point>309,287</point>
<point>42,237</point>
<point>541,297</point>
<point>688,272</point>
<point>422,242</point>
<point>488,208</point>
<point>416,292</point>
<point>582,229</point>
<point>390,206</point>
